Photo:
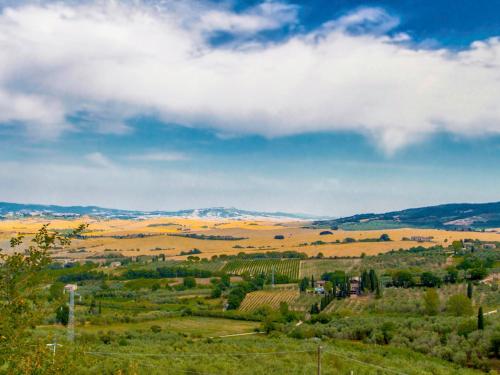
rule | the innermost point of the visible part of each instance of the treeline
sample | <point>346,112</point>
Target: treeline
<point>162,272</point>
<point>473,267</point>
<point>267,255</point>
<point>197,236</point>
<point>81,276</point>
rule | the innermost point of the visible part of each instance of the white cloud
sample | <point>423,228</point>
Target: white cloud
<point>160,156</point>
<point>99,160</point>
<point>351,74</point>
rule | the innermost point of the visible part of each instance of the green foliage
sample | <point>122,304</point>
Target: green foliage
<point>428,279</point>
<point>21,278</point>
<point>304,283</point>
<point>469,290</point>
<point>459,305</point>
<point>431,302</point>
<point>155,329</point>
<point>62,314</point>
<point>480,318</point>
<point>189,282</point>
<point>403,278</point>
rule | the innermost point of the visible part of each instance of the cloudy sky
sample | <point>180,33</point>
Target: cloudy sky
<point>328,107</point>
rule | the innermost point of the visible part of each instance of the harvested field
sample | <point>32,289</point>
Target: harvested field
<point>150,237</point>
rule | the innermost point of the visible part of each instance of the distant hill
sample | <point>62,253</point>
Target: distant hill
<point>17,210</point>
<point>446,216</point>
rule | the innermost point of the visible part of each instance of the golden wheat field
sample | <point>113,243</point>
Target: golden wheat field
<point>160,236</point>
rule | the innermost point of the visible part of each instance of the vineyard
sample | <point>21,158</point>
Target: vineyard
<point>269,298</point>
<point>285,267</point>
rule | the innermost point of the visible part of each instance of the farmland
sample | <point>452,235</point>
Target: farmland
<point>270,298</point>
<point>186,314</point>
<point>122,236</point>
<point>285,267</point>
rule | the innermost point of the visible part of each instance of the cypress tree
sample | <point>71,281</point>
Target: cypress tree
<point>312,281</point>
<point>480,318</point>
<point>469,290</point>
<point>314,309</point>
<point>373,280</point>
<point>364,281</point>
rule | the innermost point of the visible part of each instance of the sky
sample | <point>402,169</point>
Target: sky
<point>326,107</point>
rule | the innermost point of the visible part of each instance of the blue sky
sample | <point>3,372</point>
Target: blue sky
<point>322,107</point>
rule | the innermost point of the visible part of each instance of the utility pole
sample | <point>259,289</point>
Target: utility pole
<point>319,359</point>
<point>71,317</point>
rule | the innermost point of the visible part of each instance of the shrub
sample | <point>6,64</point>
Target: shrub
<point>189,282</point>
<point>431,302</point>
<point>155,329</point>
<point>459,305</point>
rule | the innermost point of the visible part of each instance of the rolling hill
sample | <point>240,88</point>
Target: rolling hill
<point>17,210</point>
<point>447,216</point>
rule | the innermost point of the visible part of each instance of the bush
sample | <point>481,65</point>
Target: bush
<point>431,302</point>
<point>189,282</point>
<point>155,329</point>
<point>459,305</point>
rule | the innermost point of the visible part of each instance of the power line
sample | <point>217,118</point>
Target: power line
<point>198,354</point>
<point>188,355</point>
<point>366,363</point>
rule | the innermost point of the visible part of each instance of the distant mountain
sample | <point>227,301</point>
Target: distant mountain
<point>447,216</point>
<point>17,210</point>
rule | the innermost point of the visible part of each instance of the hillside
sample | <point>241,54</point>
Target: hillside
<point>447,216</point>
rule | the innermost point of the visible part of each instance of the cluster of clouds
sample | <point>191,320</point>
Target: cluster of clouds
<point>120,59</point>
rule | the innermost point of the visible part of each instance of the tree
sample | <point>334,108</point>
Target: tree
<point>403,279</point>
<point>304,283</point>
<point>478,273</point>
<point>21,279</point>
<point>430,280</point>
<point>431,302</point>
<point>451,275</point>
<point>315,309</point>
<point>365,281</point>
<point>459,305</point>
<point>216,292</point>
<point>480,318</point>
<point>373,280</point>
<point>457,246</point>
<point>312,281</point>
<point>384,237</point>
<point>469,290</point>
<point>62,314</point>
<point>189,282</point>
<point>226,280</point>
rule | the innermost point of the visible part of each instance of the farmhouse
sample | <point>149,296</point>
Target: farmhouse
<point>319,287</point>
<point>355,283</point>
<point>489,246</point>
